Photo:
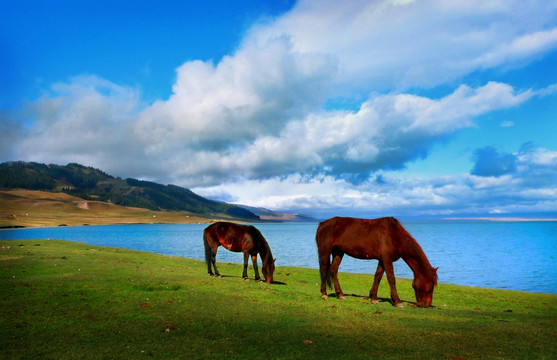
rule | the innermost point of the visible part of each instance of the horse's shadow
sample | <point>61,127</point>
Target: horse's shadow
<point>381,299</point>
<point>239,277</point>
<point>223,276</point>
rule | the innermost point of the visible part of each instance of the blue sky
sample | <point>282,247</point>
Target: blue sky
<point>363,108</point>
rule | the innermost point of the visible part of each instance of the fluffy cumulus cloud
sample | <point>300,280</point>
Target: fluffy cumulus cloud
<point>385,133</point>
<point>87,120</point>
<point>258,119</point>
<point>253,93</point>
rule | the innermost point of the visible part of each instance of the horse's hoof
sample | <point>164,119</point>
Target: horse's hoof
<point>342,297</point>
<point>324,297</point>
<point>246,279</point>
<point>399,305</point>
<point>219,276</point>
<point>375,302</point>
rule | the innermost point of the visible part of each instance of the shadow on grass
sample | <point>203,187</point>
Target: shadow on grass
<point>249,279</point>
<point>381,299</point>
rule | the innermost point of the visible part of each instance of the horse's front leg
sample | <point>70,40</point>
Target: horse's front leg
<point>337,258</point>
<point>388,265</point>
<point>377,279</point>
<point>255,269</point>
<point>245,273</point>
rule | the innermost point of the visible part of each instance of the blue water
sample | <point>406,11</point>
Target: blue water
<point>506,255</point>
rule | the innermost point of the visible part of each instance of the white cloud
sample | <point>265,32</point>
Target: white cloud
<point>252,93</point>
<point>255,122</point>
<point>386,132</point>
<point>540,157</point>
<point>385,44</point>
<point>87,120</point>
<point>395,194</point>
<point>525,46</point>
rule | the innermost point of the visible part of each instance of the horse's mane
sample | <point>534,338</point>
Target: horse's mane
<point>264,248</point>
<point>410,249</point>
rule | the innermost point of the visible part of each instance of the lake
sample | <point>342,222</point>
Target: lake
<point>504,255</point>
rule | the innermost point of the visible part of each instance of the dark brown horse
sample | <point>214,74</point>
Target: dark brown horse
<point>238,238</point>
<point>384,239</point>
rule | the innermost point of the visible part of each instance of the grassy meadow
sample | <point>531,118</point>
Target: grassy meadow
<point>64,299</point>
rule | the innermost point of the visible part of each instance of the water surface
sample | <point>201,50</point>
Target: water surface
<point>506,255</point>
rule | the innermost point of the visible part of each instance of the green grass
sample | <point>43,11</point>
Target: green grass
<point>71,300</point>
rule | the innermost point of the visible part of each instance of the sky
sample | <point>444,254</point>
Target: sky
<point>407,108</point>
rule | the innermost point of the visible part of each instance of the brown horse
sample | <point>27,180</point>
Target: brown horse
<point>384,239</point>
<point>238,238</point>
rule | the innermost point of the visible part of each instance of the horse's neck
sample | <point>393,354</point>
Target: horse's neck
<point>414,256</point>
<point>264,250</point>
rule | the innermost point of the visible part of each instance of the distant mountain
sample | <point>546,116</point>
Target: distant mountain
<point>93,184</point>
<point>269,215</point>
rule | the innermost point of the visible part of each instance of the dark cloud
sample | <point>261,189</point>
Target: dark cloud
<point>488,162</point>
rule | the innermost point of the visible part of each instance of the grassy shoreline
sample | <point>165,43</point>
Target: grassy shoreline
<point>66,299</point>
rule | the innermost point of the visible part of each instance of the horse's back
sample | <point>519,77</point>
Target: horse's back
<point>221,232</point>
<point>348,226</point>
<point>361,238</point>
<point>234,237</point>
<point>221,228</point>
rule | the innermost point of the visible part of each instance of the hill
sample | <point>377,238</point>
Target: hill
<point>92,184</point>
<point>34,208</point>
<point>270,215</point>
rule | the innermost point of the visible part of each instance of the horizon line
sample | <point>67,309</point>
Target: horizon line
<point>503,219</point>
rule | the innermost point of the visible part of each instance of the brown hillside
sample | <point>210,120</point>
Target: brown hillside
<point>29,208</point>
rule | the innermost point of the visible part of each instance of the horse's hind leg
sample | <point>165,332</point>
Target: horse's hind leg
<point>325,269</point>
<point>214,262</point>
<point>208,253</point>
<point>378,275</point>
<point>337,258</point>
<point>255,269</point>
<point>210,269</point>
<point>245,273</point>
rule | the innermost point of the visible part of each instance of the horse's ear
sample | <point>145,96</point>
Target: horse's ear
<point>274,261</point>
<point>435,269</point>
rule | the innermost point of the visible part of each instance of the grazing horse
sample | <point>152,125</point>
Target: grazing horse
<point>384,239</point>
<point>238,238</point>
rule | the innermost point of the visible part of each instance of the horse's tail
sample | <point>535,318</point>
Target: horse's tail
<point>324,254</point>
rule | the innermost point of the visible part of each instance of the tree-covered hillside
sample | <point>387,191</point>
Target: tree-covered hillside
<point>93,184</point>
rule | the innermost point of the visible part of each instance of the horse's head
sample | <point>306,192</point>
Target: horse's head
<point>268,270</point>
<point>423,288</point>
